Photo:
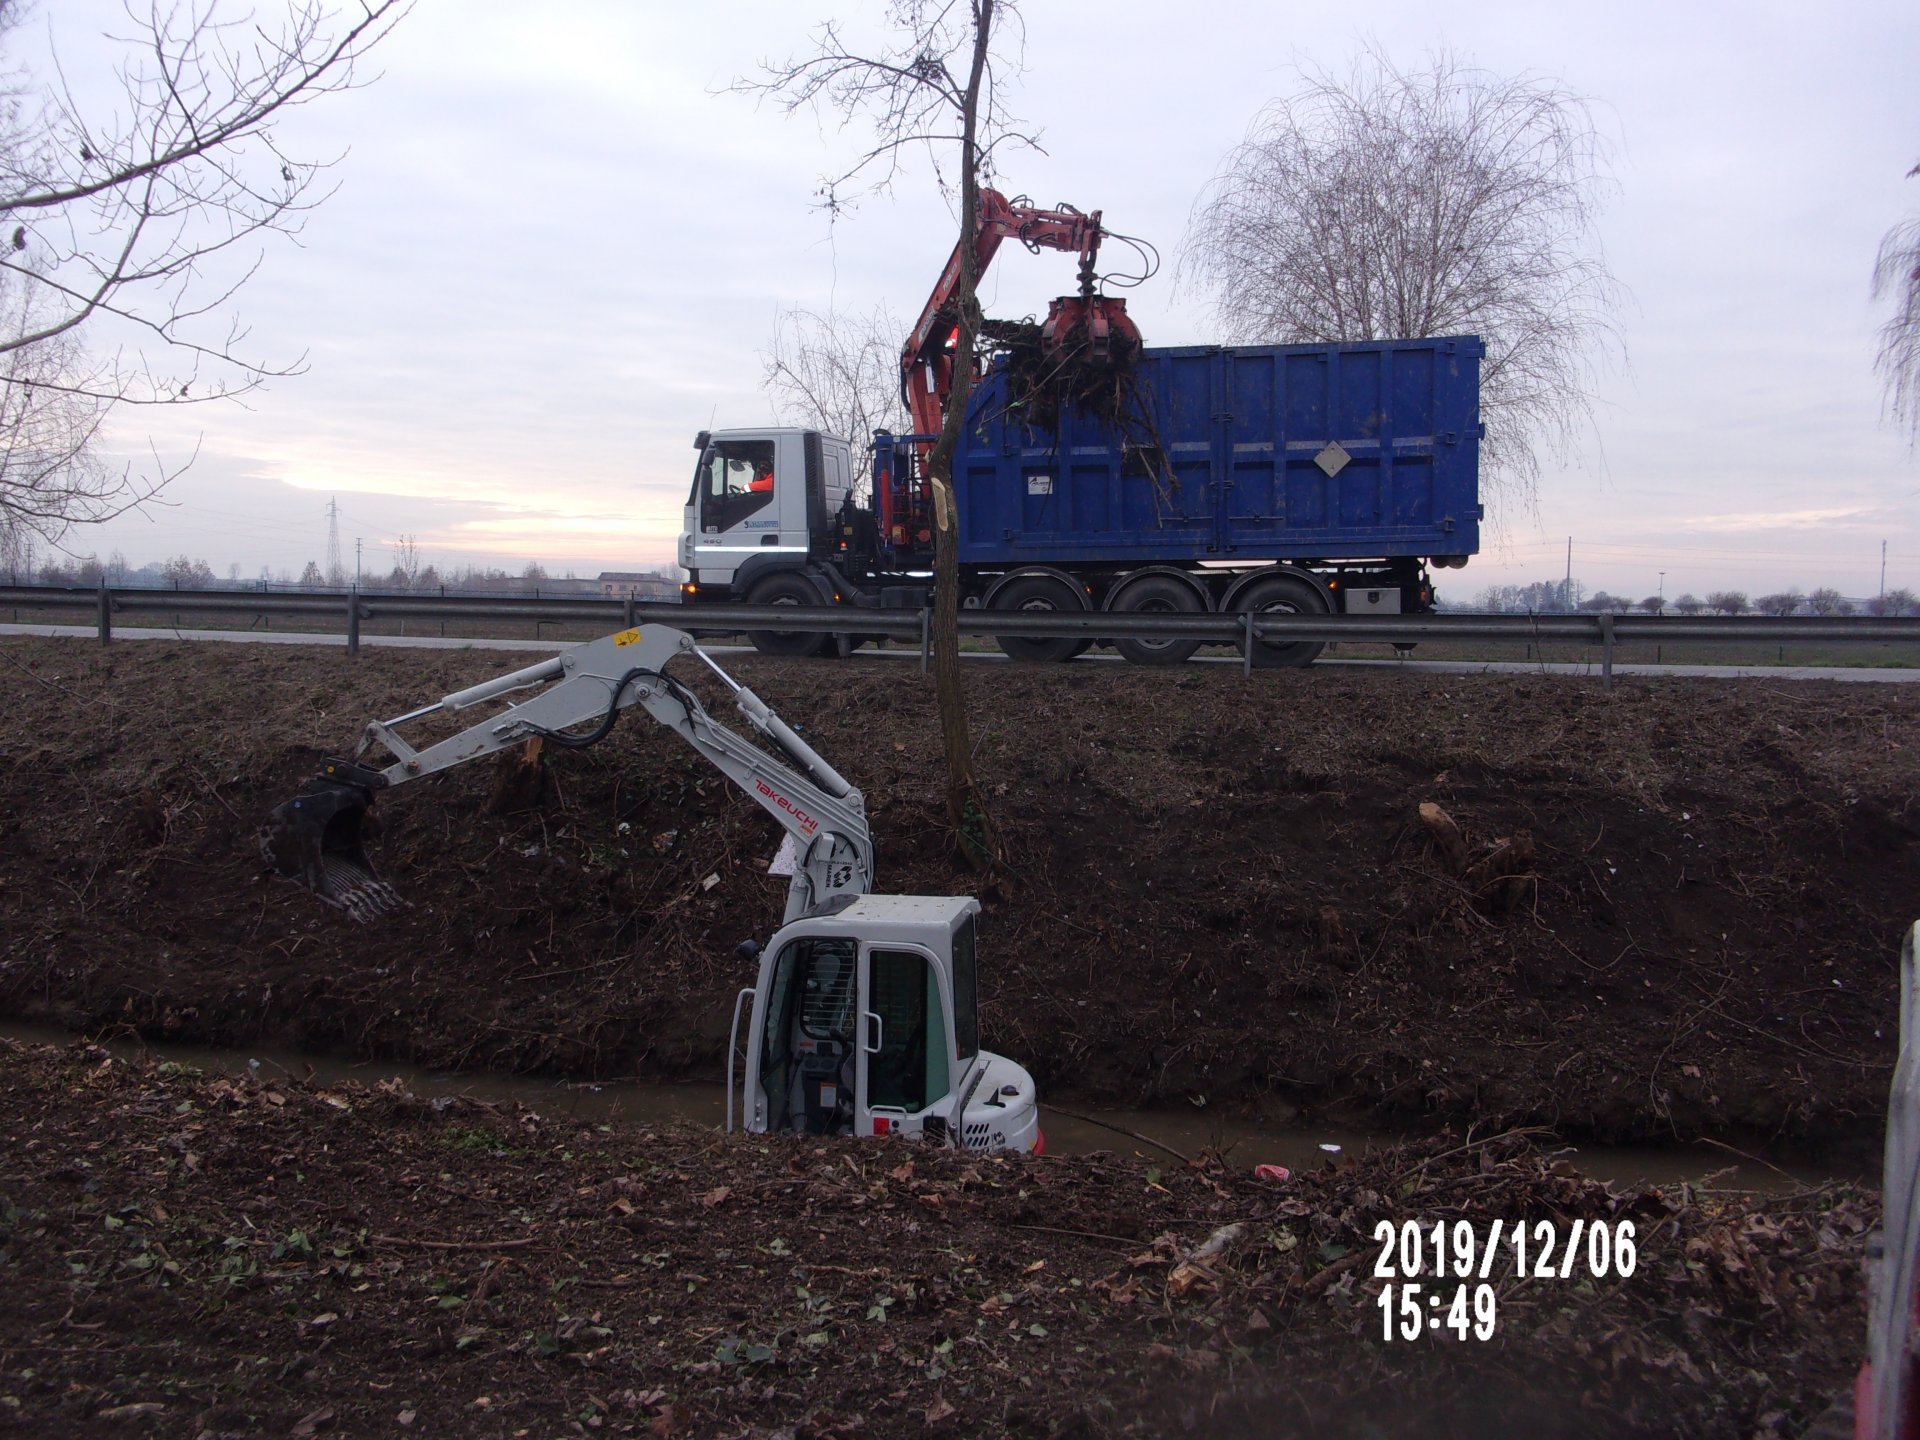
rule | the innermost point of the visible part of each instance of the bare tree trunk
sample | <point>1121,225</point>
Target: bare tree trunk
<point>966,806</point>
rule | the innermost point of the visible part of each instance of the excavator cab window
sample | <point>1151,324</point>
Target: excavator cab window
<point>966,991</point>
<point>806,1063</point>
<point>735,480</point>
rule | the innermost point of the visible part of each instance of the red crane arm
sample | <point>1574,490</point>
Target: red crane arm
<point>926,365</point>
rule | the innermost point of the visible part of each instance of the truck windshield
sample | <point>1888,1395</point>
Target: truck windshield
<point>733,480</point>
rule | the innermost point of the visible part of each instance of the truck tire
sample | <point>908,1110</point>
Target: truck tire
<point>790,588</point>
<point>1283,595</point>
<point>1037,592</point>
<point>1157,595</point>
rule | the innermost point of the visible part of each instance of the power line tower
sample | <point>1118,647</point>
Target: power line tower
<point>335,568</point>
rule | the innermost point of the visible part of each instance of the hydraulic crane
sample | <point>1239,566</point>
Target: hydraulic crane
<point>1095,325</point>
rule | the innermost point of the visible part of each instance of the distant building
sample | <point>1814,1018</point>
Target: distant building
<point>640,584</point>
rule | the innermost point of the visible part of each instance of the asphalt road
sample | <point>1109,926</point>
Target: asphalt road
<point>1423,667</point>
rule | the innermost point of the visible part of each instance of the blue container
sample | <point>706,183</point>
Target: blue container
<point>1231,461</point>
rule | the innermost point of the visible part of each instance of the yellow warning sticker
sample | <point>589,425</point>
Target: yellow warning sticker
<point>627,637</point>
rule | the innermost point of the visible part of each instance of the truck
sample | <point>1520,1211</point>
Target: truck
<point>1299,479</point>
<point>864,1015</point>
<point>1319,479</point>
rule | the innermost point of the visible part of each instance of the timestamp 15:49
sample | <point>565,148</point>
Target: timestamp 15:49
<point>1410,1310</point>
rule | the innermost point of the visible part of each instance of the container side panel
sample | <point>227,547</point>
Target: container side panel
<point>1256,499</point>
<point>1220,462</point>
<point>1415,395</point>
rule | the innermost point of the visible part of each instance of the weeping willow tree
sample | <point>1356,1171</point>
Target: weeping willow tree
<point>1391,203</point>
<point>1896,277</point>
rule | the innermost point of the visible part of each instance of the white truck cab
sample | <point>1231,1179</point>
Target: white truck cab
<point>762,502</point>
<point>865,1022</point>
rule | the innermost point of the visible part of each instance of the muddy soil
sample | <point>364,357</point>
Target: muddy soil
<point>1677,912</point>
<point>201,1256</point>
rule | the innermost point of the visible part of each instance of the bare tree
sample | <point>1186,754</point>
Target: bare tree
<point>932,85</point>
<point>838,373</point>
<point>1828,601</point>
<point>406,562</point>
<point>1689,604</point>
<point>1782,602</point>
<point>1406,203</point>
<point>1654,604</point>
<point>143,220</point>
<point>1728,602</point>
<point>1896,277</point>
<point>1894,602</point>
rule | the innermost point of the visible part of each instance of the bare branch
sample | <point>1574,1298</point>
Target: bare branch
<point>906,90</point>
<point>141,221</point>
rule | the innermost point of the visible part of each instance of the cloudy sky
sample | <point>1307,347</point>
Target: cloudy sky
<point>559,248</point>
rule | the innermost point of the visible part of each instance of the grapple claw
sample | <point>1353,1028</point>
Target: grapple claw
<point>315,840</point>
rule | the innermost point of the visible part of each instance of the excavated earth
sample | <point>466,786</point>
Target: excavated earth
<point>1218,889</point>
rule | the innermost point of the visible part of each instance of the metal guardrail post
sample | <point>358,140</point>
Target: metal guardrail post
<point>626,613</point>
<point>1606,652</point>
<point>926,639</point>
<point>1246,645</point>
<point>353,621</point>
<point>106,613</point>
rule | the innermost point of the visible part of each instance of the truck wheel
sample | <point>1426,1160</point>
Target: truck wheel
<point>1283,595</point>
<point>789,589</point>
<point>1157,595</point>
<point>1037,592</point>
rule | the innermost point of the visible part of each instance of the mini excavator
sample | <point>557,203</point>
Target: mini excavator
<point>865,1016</point>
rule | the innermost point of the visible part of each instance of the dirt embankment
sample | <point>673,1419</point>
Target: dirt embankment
<point>1219,889</point>
<point>184,1255</point>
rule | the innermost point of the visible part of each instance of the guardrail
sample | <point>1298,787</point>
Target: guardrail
<point>1606,631</point>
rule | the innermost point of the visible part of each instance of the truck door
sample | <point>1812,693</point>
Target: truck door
<point>734,505</point>
<point>905,1063</point>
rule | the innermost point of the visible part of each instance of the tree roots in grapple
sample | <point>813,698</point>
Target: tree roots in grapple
<point>1042,386</point>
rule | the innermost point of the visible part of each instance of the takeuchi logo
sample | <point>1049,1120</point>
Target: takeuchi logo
<point>801,818</point>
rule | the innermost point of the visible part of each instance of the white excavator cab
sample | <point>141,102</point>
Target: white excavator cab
<point>864,1022</point>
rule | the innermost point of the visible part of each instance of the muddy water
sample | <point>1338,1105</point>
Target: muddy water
<point>1168,1134</point>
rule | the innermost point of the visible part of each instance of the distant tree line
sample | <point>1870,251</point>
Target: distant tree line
<point>182,572</point>
<point>1562,597</point>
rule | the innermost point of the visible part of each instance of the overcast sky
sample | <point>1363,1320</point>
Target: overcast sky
<point>559,248</point>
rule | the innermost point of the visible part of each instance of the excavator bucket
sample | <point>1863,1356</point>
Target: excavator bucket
<point>316,840</point>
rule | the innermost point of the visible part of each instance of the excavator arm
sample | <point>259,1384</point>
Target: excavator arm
<point>315,838</point>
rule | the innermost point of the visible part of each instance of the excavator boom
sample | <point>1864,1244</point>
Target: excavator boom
<point>316,838</point>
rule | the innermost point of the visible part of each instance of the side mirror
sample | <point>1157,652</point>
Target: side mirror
<point>700,440</point>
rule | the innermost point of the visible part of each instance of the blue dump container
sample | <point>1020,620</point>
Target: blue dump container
<point>1244,453</point>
